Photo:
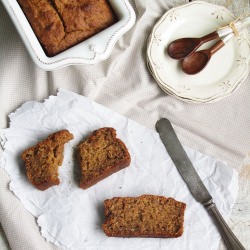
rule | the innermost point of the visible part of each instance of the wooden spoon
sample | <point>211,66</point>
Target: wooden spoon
<point>182,47</point>
<point>198,60</point>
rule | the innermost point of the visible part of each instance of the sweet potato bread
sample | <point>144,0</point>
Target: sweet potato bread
<point>42,160</point>
<point>101,155</point>
<point>60,24</point>
<point>144,216</point>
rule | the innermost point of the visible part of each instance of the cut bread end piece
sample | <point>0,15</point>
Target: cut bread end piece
<point>43,160</point>
<point>101,155</point>
<point>144,216</point>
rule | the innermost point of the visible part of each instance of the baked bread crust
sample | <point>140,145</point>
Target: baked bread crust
<point>60,24</point>
<point>101,155</point>
<point>43,159</point>
<point>144,216</point>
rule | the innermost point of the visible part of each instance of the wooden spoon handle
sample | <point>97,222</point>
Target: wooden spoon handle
<point>216,47</point>
<point>209,37</point>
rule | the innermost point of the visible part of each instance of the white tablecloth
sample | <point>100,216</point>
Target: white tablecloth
<point>123,84</point>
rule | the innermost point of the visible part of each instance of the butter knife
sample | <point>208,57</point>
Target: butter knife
<point>193,181</point>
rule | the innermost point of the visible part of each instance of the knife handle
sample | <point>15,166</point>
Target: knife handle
<point>231,241</point>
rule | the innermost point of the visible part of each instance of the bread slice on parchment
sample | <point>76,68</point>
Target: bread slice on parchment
<point>144,216</point>
<point>101,155</point>
<point>43,160</point>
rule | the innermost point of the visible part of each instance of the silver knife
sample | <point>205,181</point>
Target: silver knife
<point>193,181</point>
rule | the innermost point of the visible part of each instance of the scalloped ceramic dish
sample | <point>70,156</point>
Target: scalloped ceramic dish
<point>226,70</point>
<point>90,51</point>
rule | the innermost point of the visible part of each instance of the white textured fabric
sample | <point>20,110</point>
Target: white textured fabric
<point>123,84</point>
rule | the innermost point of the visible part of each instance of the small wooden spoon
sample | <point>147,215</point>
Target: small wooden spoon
<point>182,47</point>
<point>198,60</point>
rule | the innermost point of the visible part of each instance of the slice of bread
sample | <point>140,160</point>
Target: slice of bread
<point>144,216</point>
<point>42,160</point>
<point>101,155</point>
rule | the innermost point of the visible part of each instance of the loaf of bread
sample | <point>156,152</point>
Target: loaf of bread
<point>144,216</point>
<point>101,155</point>
<point>42,160</point>
<point>60,24</point>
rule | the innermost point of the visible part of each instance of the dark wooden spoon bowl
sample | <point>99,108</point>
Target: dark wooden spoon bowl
<point>197,61</point>
<point>181,48</point>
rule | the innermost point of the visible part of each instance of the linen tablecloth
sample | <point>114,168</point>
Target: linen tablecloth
<point>123,84</point>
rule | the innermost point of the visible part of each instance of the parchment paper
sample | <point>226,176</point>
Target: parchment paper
<point>71,217</point>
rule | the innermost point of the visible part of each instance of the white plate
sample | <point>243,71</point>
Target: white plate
<point>90,51</point>
<point>227,68</point>
<point>167,90</point>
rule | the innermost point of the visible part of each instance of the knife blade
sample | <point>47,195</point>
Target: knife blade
<point>182,162</point>
<point>193,181</point>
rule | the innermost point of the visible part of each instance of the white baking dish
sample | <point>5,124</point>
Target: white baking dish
<point>90,51</point>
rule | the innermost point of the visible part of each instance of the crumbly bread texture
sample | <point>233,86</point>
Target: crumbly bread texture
<point>101,155</point>
<point>144,216</point>
<point>60,24</point>
<point>42,160</point>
